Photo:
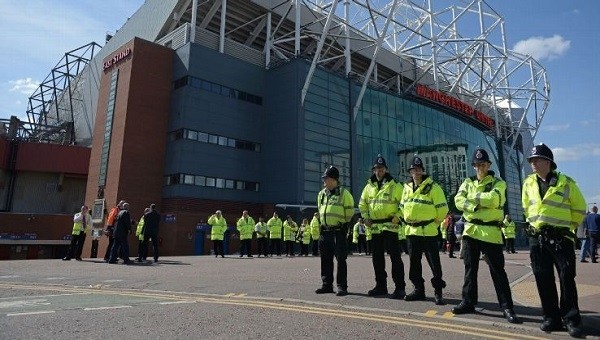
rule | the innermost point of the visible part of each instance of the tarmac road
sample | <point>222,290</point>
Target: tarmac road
<point>202,297</point>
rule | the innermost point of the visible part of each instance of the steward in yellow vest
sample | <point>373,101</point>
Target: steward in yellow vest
<point>289,235</point>
<point>275,229</point>
<point>481,198</point>
<point>336,207</point>
<point>315,231</point>
<point>262,237</point>
<point>217,233</point>
<point>378,206</point>
<point>245,226</point>
<point>82,222</point>
<point>554,207</point>
<point>423,207</point>
<point>508,230</point>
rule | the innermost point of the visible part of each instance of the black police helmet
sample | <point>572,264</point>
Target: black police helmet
<point>379,161</point>
<point>480,156</point>
<point>542,151</point>
<point>417,162</point>
<point>331,172</point>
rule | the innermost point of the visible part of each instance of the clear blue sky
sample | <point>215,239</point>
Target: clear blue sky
<point>561,35</point>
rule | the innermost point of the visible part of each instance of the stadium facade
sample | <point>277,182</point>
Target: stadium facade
<point>242,104</point>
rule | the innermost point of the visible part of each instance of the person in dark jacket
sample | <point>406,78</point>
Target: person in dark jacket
<point>120,234</point>
<point>151,221</point>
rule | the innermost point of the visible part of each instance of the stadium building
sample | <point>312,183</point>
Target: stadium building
<point>241,105</point>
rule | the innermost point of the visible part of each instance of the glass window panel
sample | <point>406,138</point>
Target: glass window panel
<point>239,185</point>
<point>188,179</point>
<point>229,184</point>
<point>191,134</point>
<point>200,180</point>
<point>210,182</point>
<point>213,139</point>
<point>203,137</point>
<point>231,143</point>
<point>220,183</point>
<point>222,140</point>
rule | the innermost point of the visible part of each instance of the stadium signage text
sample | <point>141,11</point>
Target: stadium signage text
<point>454,103</point>
<point>116,59</point>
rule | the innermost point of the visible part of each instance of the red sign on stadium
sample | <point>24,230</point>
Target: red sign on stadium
<point>454,103</point>
<point>116,59</point>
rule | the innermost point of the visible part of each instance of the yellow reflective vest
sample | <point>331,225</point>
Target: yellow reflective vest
<point>356,232</point>
<point>303,234</point>
<point>139,231</point>
<point>482,203</point>
<point>381,203</point>
<point>275,225</point>
<point>508,228</point>
<point>563,205</point>
<point>79,227</point>
<point>219,227</point>
<point>315,228</point>
<point>261,229</point>
<point>245,227</point>
<point>426,203</point>
<point>336,206</point>
<point>289,230</point>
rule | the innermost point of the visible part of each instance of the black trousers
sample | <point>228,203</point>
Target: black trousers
<point>262,246</point>
<point>154,239</point>
<point>120,248</point>
<point>289,248</point>
<point>544,258</point>
<point>75,246</point>
<point>303,249</point>
<point>111,242</point>
<point>495,259</point>
<point>276,246</point>
<point>362,244</point>
<point>333,243</point>
<point>218,248</point>
<point>315,248</point>
<point>387,241</point>
<point>417,245</point>
<point>246,247</point>
<point>510,245</point>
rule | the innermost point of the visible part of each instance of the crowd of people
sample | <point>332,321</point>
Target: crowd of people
<point>412,217</point>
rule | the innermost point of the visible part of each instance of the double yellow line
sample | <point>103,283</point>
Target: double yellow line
<point>252,302</point>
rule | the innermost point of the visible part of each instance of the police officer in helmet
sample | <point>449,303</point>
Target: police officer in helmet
<point>336,207</point>
<point>554,207</point>
<point>481,198</point>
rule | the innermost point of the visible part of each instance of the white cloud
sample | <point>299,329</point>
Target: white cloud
<point>558,127</point>
<point>25,86</point>
<point>577,152</point>
<point>543,48</point>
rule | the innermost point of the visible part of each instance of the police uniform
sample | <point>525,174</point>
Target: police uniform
<point>379,208</point>
<point>275,226</point>
<point>554,207</point>
<point>423,207</point>
<point>245,226</point>
<point>482,202</point>
<point>217,232</point>
<point>508,230</point>
<point>336,207</point>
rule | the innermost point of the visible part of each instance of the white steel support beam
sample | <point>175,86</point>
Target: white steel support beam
<point>348,48</point>
<point>194,21</point>
<point>382,35</point>
<point>223,24</point>
<point>315,60</point>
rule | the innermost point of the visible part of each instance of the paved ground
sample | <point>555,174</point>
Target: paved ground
<point>232,298</point>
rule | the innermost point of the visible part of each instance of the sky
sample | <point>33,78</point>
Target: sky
<point>561,35</point>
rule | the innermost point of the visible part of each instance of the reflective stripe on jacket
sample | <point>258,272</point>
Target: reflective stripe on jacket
<point>139,231</point>
<point>336,207</point>
<point>508,228</point>
<point>218,228</point>
<point>562,206</point>
<point>381,203</point>
<point>482,201</point>
<point>245,227</point>
<point>275,226</point>
<point>426,203</point>
<point>289,230</point>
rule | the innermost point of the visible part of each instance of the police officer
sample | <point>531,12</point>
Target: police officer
<point>553,207</point>
<point>481,198</point>
<point>261,237</point>
<point>336,207</point>
<point>423,207</point>
<point>217,232</point>
<point>508,230</point>
<point>275,226</point>
<point>245,226</point>
<point>315,232</point>
<point>379,207</point>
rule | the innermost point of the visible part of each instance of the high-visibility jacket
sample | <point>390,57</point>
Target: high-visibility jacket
<point>245,227</point>
<point>303,234</point>
<point>261,229</point>
<point>336,206</point>
<point>275,228</point>
<point>218,227</point>
<point>482,202</point>
<point>369,234</point>
<point>139,231</point>
<point>289,230</point>
<point>425,203</point>
<point>563,205</point>
<point>112,216</point>
<point>315,228</point>
<point>381,203</point>
<point>79,226</point>
<point>508,228</point>
<point>356,232</point>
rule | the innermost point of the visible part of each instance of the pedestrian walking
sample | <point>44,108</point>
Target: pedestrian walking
<point>150,232</point>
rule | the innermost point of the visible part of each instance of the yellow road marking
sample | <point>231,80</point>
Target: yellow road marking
<point>430,313</point>
<point>448,315</point>
<point>229,299</point>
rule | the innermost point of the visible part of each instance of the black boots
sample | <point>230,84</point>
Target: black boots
<point>416,295</point>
